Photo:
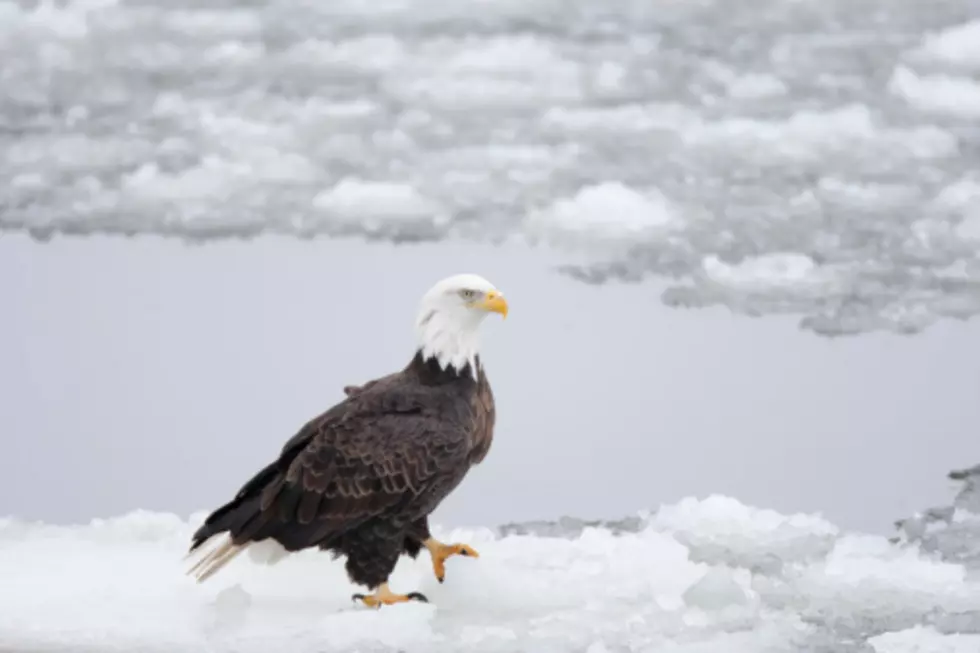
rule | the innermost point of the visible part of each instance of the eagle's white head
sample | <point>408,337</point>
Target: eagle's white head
<point>449,319</point>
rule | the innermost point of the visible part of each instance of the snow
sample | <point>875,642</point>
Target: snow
<point>809,135</point>
<point>764,272</point>
<point>958,45</point>
<point>755,86</point>
<point>609,212</point>
<point>380,206</point>
<point>958,96</point>
<point>641,140</point>
<point>685,578</point>
<point>960,202</point>
<point>925,639</point>
<point>962,195</point>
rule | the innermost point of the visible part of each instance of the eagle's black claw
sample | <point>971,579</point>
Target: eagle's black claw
<point>418,596</point>
<point>357,597</point>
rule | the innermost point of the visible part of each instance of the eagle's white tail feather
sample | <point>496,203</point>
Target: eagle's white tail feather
<point>215,559</point>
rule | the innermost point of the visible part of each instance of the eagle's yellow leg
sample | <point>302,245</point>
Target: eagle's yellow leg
<point>384,596</point>
<point>441,552</point>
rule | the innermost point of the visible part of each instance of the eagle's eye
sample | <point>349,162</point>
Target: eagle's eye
<point>467,294</point>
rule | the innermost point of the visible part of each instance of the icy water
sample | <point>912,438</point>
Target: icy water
<point>804,158</point>
<point>816,158</point>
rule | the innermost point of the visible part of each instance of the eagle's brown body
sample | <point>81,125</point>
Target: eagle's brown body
<point>361,479</point>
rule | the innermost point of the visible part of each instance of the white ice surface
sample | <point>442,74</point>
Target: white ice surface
<point>707,575</point>
<point>925,640</point>
<point>957,44</point>
<point>958,96</point>
<point>607,215</point>
<point>575,124</point>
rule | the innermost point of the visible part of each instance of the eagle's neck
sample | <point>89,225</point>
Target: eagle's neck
<point>431,372</point>
<point>451,338</point>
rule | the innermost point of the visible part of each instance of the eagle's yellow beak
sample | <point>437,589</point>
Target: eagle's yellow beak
<point>494,302</point>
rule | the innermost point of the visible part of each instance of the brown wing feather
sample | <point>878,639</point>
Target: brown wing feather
<point>391,444</point>
<point>384,450</point>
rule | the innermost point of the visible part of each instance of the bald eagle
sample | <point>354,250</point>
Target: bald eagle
<point>361,479</point>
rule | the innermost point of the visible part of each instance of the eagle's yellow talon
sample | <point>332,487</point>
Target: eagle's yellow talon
<point>441,552</point>
<point>384,596</point>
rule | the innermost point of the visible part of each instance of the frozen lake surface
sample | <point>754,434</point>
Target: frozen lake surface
<point>813,160</point>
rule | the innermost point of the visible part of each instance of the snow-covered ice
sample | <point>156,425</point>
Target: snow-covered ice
<point>573,125</point>
<point>957,44</point>
<point>607,215</point>
<point>955,95</point>
<point>708,574</point>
